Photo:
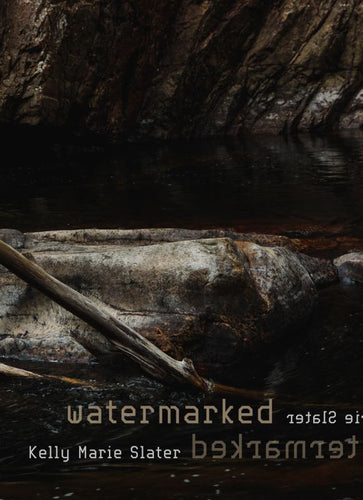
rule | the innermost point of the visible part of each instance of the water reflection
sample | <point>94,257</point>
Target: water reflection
<point>273,184</point>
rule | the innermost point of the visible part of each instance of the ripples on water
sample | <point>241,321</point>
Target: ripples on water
<point>304,187</point>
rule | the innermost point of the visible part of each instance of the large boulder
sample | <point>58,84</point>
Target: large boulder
<point>209,299</point>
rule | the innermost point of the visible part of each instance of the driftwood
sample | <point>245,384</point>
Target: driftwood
<point>12,371</point>
<point>126,340</point>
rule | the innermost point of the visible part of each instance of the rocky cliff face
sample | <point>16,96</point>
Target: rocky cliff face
<point>184,68</point>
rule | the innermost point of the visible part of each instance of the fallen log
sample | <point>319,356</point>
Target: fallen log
<point>125,340</point>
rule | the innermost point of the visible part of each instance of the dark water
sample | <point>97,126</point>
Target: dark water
<point>274,184</point>
<point>319,367</point>
<point>308,187</point>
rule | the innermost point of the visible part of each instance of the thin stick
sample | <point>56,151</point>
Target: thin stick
<point>12,371</point>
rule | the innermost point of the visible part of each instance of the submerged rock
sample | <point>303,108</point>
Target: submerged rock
<point>181,68</point>
<point>350,267</point>
<point>210,299</point>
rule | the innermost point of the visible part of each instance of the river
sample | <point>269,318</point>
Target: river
<point>307,187</point>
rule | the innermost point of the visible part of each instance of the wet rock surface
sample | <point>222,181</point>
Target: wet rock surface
<point>350,267</point>
<point>211,299</point>
<point>181,69</point>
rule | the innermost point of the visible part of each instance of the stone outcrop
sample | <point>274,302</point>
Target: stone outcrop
<point>181,68</point>
<point>350,267</point>
<point>209,298</point>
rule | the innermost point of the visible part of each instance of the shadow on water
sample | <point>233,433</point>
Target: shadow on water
<point>307,187</point>
<point>304,185</point>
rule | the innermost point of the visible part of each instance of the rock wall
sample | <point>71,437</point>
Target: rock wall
<point>184,68</point>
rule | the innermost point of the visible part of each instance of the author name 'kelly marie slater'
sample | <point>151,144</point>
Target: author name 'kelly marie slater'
<point>235,448</point>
